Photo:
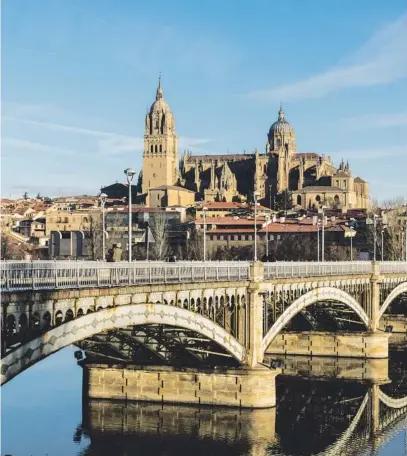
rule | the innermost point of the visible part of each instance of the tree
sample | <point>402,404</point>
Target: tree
<point>283,201</point>
<point>5,248</point>
<point>38,196</point>
<point>25,196</point>
<point>160,247</point>
<point>389,224</point>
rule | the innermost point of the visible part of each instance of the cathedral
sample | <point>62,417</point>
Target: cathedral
<point>312,179</point>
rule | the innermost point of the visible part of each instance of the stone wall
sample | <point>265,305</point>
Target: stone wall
<point>253,388</point>
<point>398,322</point>
<point>375,370</point>
<point>350,344</point>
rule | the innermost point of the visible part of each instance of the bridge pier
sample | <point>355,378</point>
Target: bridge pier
<point>338,344</point>
<point>243,387</point>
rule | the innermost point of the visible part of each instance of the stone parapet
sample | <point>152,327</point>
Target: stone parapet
<point>348,345</point>
<point>246,388</point>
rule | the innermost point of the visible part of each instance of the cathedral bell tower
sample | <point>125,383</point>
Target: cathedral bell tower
<point>160,157</point>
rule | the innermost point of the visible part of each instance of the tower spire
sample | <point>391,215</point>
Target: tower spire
<point>159,89</point>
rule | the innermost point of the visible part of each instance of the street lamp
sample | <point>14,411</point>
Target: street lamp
<point>267,236</point>
<point>130,172</point>
<point>204,233</point>
<point>352,233</point>
<point>321,211</point>
<point>382,251</point>
<point>103,197</point>
<point>270,186</point>
<point>375,217</point>
<point>255,195</point>
<point>318,225</point>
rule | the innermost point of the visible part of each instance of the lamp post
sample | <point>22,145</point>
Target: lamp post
<point>351,242</point>
<point>267,237</point>
<point>270,195</point>
<point>318,224</point>
<point>321,211</point>
<point>375,217</point>
<point>130,172</point>
<point>204,233</point>
<point>103,197</point>
<point>382,250</point>
<point>255,195</point>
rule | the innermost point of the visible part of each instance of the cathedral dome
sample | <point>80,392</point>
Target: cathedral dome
<point>281,126</point>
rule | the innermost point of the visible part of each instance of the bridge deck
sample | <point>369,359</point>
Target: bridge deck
<point>47,275</point>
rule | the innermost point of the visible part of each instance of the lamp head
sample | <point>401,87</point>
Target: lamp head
<point>130,172</point>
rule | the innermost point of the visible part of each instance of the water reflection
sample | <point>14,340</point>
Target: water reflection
<point>353,412</point>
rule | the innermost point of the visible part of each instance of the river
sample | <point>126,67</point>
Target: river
<point>43,414</point>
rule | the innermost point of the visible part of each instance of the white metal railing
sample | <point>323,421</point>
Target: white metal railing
<point>393,267</point>
<point>311,269</point>
<point>49,275</point>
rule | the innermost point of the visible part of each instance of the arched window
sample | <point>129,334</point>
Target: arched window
<point>318,198</point>
<point>299,200</point>
<point>156,148</point>
<point>278,142</point>
<point>152,148</point>
<point>161,148</point>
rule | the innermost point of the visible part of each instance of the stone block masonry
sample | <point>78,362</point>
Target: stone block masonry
<point>244,387</point>
<point>348,345</point>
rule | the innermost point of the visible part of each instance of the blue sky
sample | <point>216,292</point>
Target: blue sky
<point>78,76</point>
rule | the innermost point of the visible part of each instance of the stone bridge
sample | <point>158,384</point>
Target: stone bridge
<point>188,313</point>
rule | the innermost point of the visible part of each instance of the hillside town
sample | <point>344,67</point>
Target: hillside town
<point>70,227</point>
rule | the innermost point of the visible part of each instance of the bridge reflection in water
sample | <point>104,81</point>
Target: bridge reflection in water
<point>314,415</point>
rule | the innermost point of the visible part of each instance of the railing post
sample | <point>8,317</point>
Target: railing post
<point>32,275</point>
<point>7,276</point>
<point>56,275</point>
<point>77,273</point>
<point>98,273</point>
<point>165,274</point>
<point>149,272</point>
<point>179,274</point>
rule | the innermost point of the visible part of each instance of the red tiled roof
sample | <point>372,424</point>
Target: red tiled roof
<point>230,205</point>
<point>230,221</point>
<point>231,230</point>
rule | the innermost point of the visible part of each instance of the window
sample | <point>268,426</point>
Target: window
<point>151,148</point>
<point>221,237</point>
<point>155,148</point>
<point>236,237</point>
<point>161,148</point>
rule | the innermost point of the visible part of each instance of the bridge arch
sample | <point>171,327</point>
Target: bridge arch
<point>112,318</point>
<point>392,402</point>
<point>313,296</point>
<point>402,288</point>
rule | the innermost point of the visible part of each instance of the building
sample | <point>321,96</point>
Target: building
<point>312,179</point>
<point>160,157</point>
<point>170,195</point>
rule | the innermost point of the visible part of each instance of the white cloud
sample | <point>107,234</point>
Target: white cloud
<point>372,153</point>
<point>376,121</point>
<point>108,143</point>
<point>381,60</point>
<point>36,146</point>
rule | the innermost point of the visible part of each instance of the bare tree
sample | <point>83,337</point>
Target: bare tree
<point>160,247</point>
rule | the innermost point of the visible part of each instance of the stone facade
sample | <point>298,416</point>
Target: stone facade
<point>313,179</point>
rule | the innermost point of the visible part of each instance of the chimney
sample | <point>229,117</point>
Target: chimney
<point>282,219</point>
<point>333,218</point>
<point>274,218</point>
<point>314,220</point>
